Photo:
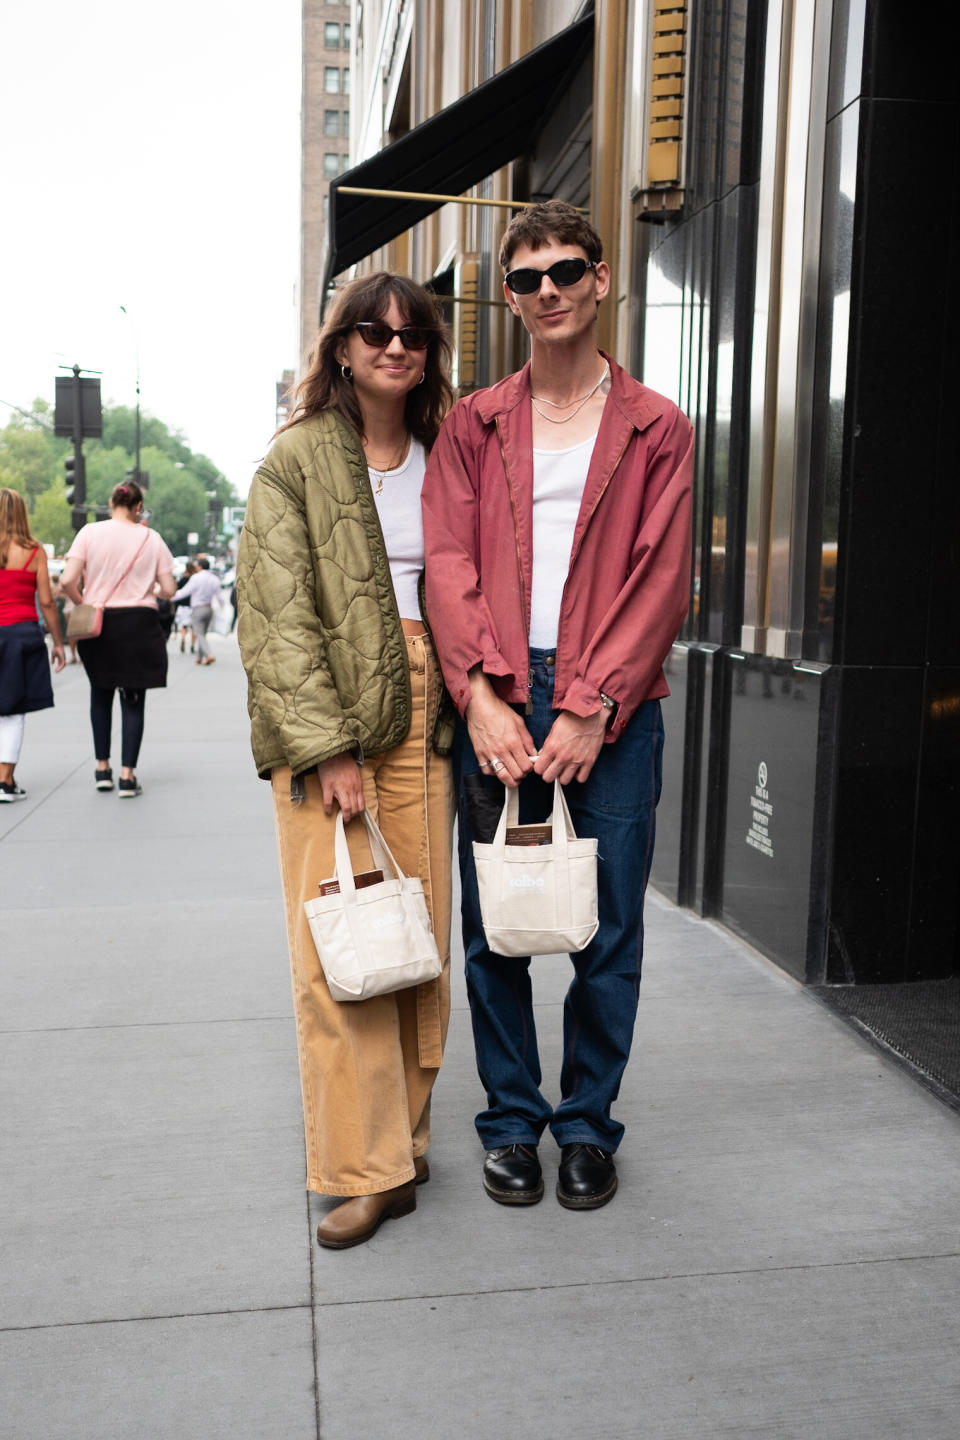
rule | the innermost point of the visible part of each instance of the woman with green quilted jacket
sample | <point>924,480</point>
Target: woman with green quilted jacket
<point>348,712</point>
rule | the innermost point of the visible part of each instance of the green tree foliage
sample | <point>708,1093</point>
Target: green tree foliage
<point>10,479</point>
<point>182,484</point>
<point>120,429</point>
<point>50,521</point>
<point>105,468</point>
<point>177,507</point>
<point>29,451</point>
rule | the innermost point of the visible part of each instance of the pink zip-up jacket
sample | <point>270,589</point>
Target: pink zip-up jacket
<point>628,585</point>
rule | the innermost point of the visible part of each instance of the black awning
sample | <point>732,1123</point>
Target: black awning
<point>450,152</point>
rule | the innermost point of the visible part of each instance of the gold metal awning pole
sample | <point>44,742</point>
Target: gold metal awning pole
<point>440,199</point>
<point>467,300</point>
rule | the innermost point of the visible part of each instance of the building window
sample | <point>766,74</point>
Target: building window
<point>331,79</point>
<point>331,165</point>
<point>331,122</point>
<point>346,81</point>
<point>331,36</point>
<point>345,123</point>
<point>346,37</point>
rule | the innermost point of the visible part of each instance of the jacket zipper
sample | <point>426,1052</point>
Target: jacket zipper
<point>528,707</point>
<point>422,598</point>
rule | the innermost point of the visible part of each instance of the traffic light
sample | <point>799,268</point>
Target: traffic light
<point>76,476</point>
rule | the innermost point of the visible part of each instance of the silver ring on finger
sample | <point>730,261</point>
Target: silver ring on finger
<point>496,765</point>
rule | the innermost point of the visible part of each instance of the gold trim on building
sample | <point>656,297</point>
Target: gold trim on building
<point>666,88</point>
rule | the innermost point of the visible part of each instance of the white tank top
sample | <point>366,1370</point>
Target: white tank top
<point>558,480</point>
<point>398,506</point>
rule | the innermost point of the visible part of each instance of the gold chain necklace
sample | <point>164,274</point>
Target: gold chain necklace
<point>580,402</point>
<point>392,465</point>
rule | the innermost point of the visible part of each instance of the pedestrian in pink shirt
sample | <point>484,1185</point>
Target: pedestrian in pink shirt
<point>121,565</point>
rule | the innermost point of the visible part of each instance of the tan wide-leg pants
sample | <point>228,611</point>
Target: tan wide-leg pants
<point>367,1068</point>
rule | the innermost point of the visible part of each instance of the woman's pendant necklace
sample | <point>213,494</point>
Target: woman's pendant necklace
<point>382,474</point>
<point>557,406</point>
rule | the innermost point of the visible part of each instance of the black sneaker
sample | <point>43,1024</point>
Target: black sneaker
<point>10,791</point>
<point>104,779</point>
<point>129,788</point>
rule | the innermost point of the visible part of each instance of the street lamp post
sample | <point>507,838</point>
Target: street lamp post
<point>136,356</point>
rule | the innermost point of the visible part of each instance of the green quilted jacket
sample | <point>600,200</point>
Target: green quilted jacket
<point>318,625</point>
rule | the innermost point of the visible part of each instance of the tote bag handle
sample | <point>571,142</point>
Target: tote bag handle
<point>563,830</point>
<point>379,849</point>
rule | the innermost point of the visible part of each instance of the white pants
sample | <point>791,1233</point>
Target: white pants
<point>11,738</point>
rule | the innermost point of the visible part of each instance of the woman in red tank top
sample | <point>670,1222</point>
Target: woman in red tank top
<point>24,667</point>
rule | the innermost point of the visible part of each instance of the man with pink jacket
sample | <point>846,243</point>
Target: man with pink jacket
<point>557,522</point>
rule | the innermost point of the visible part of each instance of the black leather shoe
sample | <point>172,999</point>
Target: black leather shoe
<point>588,1177</point>
<point>512,1176</point>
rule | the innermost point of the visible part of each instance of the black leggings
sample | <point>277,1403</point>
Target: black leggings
<point>132,703</point>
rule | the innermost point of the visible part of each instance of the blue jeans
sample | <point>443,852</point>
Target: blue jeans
<point>617,805</point>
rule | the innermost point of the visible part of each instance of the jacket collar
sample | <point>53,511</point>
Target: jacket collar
<point>636,403</point>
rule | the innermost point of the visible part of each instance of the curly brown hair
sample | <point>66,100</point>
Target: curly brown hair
<point>536,225</point>
<point>368,298</point>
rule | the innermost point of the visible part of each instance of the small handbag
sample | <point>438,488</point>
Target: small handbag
<point>377,939</point>
<point>85,622</point>
<point>537,899</point>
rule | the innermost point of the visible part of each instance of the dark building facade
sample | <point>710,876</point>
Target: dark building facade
<point>806,295</point>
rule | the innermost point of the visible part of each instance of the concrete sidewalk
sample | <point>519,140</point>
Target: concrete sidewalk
<point>782,1259</point>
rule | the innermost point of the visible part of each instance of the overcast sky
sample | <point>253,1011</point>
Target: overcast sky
<point>149,158</point>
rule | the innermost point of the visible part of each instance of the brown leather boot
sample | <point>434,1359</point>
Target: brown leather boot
<point>422,1169</point>
<point>358,1219</point>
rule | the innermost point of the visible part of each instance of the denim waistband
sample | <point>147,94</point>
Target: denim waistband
<point>543,657</point>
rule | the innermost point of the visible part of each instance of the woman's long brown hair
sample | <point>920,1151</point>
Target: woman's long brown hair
<point>368,298</point>
<point>14,524</point>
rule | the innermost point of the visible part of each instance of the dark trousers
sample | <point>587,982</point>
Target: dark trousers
<point>617,805</point>
<point>132,706</point>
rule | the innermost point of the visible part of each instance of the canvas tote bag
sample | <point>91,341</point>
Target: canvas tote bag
<point>376,939</point>
<point>538,899</point>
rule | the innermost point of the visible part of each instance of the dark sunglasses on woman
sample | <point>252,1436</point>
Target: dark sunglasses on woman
<point>379,335</point>
<point>561,272</point>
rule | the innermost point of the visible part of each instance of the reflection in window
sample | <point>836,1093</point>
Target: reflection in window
<point>663,333</point>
